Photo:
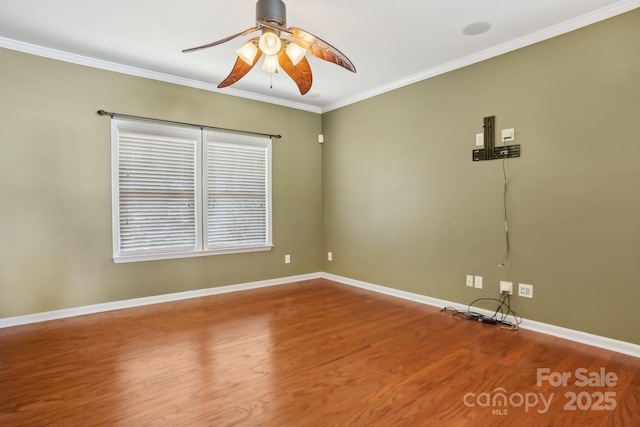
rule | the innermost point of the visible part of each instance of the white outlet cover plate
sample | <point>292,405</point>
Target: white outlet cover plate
<point>477,282</point>
<point>506,287</point>
<point>508,134</point>
<point>525,290</point>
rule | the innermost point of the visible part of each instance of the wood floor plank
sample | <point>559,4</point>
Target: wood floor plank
<point>313,353</point>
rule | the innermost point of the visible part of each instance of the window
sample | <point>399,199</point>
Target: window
<point>180,191</point>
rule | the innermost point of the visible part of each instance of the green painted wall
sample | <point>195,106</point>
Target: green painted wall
<point>405,207</point>
<point>55,187</point>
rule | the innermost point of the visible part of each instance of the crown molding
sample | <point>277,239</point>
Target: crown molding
<point>615,9</point>
<point>145,73</point>
<point>548,33</point>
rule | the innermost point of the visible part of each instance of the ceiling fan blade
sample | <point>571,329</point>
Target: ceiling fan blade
<point>240,69</point>
<point>216,43</point>
<point>321,49</point>
<point>300,74</point>
<point>273,26</point>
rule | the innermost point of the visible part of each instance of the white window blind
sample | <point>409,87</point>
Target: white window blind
<point>236,191</point>
<point>174,196</point>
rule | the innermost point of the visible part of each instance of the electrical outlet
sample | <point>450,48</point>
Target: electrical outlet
<point>287,259</point>
<point>329,256</point>
<point>479,139</point>
<point>508,135</point>
<point>525,290</point>
<point>469,280</point>
<point>506,287</point>
<point>477,282</point>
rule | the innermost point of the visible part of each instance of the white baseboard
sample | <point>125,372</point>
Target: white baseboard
<point>139,302</point>
<point>556,331</point>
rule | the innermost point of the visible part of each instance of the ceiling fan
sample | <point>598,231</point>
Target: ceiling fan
<point>284,48</point>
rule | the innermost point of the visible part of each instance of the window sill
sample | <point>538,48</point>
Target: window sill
<point>175,255</point>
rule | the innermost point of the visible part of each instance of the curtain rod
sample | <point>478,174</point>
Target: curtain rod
<point>128,116</point>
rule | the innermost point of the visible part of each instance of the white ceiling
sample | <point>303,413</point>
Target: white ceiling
<point>391,43</point>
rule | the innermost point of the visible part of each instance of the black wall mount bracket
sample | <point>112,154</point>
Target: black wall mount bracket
<point>490,151</point>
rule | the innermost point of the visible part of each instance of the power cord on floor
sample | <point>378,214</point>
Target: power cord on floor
<point>499,317</point>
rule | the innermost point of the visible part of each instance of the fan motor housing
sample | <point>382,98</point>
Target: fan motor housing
<point>272,11</point>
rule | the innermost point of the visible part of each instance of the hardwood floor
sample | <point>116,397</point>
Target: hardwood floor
<point>314,353</point>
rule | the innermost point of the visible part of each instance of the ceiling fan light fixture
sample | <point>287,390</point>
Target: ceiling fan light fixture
<point>248,52</point>
<point>295,52</point>
<point>287,54</point>
<point>270,44</point>
<point>305,39</point>
<point>274,11</point>
<point>270,64</point>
